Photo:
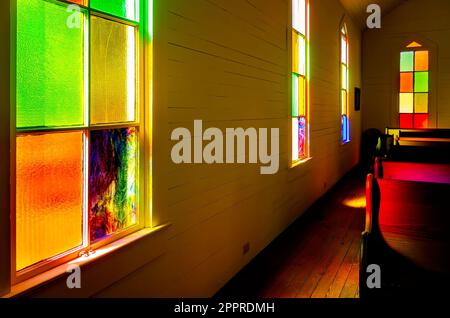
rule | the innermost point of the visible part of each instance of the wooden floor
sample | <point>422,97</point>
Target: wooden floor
<point>317,257</point>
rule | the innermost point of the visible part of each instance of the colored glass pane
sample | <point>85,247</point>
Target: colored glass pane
<point>344,77</point>
<point>301,137</point>
<point>406,121</point>
<point>299,16</point>
<point>113,72</point>
<point>344,102</point>
<point>407,62</point>
<point>50,66</point>
<point>80,2</point>
<point>421,82</point>
<point>302,56</point>
<point>407,82</point>
<point>301,96</point>
<point>345,129</point>
<point>295,94</point>
<point>49,196</point>
<point>421,62</point>
<point>112,181</point>
<point>295,52</point>
<point>406,103</point>
<point>295,147</point>
<point>127,9</point>
<point>344,49</point>
<point>421,121</point>
<point>414,45</point>
<point>421,103</point>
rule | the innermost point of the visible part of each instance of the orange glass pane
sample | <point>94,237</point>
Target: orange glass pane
<point>421,61</point>
<point>414,45</point>
<point>49,196</point>
<point>344,101</point>
<point>406,82</point>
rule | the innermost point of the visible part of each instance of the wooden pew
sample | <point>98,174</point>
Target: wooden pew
<point>420,145</point>
<point>407,235</point>
<point>412,171</point>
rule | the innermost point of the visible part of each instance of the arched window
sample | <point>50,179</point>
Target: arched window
<point>414,87</point>
<point>344,71</point>
<point>300,80</point>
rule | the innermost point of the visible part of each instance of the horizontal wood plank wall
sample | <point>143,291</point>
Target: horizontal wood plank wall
<point>424,21</point>
<point>226,62</point>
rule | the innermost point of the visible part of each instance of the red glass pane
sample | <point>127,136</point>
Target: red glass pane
<point>406,121</point>
<point>421,121</point>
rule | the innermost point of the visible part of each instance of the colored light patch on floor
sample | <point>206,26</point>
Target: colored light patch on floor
<point>112,181</point>
<point>49,196</point>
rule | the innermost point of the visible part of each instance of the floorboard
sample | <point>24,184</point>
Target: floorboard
<point>317,257</point>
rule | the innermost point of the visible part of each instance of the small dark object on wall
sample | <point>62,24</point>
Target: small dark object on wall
<point>357,99</point>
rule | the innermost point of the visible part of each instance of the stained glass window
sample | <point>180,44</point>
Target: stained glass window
<point>78,129</point>
<point>414,87</point>
<point>300,80</point>
<point>345,117</point>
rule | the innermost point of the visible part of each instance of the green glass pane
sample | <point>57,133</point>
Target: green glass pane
<point>421,82</point>
<point>407,62</point>
<point>50,66</point>
<point>127,9</point>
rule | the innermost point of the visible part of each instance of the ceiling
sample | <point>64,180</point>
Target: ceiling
<point>357,9</point>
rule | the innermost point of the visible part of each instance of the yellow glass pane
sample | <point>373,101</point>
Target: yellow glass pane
<point>295,40</point>
<point>49,196</point>
<point>406,103</point>
<point>113,72</point>
<point>421,103</point>
<point>301,96</point>
<point>344,101</point>
<point>421,61</point>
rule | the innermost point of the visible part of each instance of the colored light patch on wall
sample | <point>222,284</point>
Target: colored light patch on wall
<point>421,82</point>
<point>49,196</point>
<point>421,103</point>
<point>406,61</point>
<point>406,103</point>
<point>112,181</point>
<point>421,61</point>
<point>50,66</point>
<point>127,9</point>
<point>113,72</point>
<point>407,82</point>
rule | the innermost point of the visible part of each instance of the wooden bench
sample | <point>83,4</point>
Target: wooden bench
<point>407,235</point>
<point>420,145</point>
